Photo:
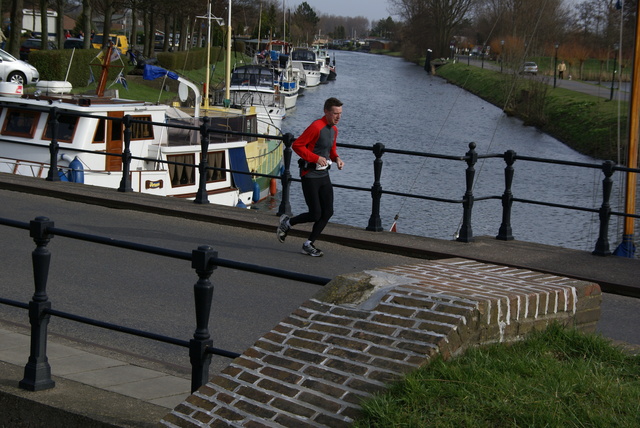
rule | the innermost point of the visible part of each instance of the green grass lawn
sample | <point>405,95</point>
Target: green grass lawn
<point>555,378</point>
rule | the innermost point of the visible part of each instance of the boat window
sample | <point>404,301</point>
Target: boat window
<point>98,137</point>
<point>216,160</point>
<point>183,171</point>
<point>66,128</point>
<point>141,131</point>
<point>20,123</point>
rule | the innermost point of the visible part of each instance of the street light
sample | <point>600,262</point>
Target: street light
<point>555,66</point>
<point>482,55</point>
<point>613,75</point>
<point>501,54</point>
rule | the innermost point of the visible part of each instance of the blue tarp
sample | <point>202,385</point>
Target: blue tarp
<point>152,72</point>
<point>238,160</point>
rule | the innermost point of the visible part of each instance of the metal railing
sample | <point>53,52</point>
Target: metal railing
<point>204,260</point>
<point>471,157</point>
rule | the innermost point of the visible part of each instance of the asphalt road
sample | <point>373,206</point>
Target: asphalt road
<point>155,293</point>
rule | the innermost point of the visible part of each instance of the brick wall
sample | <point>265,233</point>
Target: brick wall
<point>365,330</point>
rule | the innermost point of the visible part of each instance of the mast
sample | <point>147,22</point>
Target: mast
<point>227,88</point>
<point>626,247</point>
<point>206,95</point>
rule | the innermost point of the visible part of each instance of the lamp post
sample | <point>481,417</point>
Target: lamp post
<point>613,74</point>
<point>501,54</point>
<point>555,66</point>
<point>482,55</point>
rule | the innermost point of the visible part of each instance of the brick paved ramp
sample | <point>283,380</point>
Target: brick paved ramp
<point>368,329</point>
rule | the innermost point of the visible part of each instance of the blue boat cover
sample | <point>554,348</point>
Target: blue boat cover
<point>238,160</point>
<point>152,72</point>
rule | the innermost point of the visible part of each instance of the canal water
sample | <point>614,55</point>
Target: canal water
<point>391,101</point>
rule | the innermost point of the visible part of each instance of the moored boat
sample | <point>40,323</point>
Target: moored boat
<point>256,86</point>
<point>90,142</point>
<point>305,59</point>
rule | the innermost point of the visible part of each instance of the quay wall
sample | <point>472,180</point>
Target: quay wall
<point>365,330</point>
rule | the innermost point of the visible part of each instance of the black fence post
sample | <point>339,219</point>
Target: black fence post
<point>375,224</point>
<point>602,244</point>
<point>285,203</point>
<point>466,234</point>
<point>505,233</point>
<point>125,182</point>
<point>201,196</point>
<point>53,147</point>
<point>203,293</point>
<point>37,372</point>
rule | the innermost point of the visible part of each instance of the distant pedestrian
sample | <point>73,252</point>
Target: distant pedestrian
<point>561,69</point>
<point>316,147</point>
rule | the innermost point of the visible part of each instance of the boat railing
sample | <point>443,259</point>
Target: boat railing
<point>203,260</point>
<point>207,135</point>
<point>471,157</point>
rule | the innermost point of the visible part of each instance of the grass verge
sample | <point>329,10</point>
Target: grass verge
<point>586,123</point>
<point>558,377</point>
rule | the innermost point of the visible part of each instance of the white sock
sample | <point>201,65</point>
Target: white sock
<point>308,243</point>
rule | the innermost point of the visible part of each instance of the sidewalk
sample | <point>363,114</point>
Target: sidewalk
<point>602,91</point>
<point>89,388</point>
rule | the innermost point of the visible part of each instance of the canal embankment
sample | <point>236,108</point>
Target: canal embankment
<point>591,125</point>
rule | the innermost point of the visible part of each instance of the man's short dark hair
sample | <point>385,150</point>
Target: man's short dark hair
<point>332,102</point>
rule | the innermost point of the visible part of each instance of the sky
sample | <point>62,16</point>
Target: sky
<point>374,10</point>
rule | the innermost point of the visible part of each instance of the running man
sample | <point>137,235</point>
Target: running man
<point>317,150</point>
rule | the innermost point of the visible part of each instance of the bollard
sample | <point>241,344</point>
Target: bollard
<point>201,196</point>
<point>602,244</point>
<point>202,262</point>
<point>125,182</point>
<point>285,178</point>
<point>466,234</point>
<point>375,223</point>
<point>52,175</point>
<point>37,372</point>
<point>505,233</point>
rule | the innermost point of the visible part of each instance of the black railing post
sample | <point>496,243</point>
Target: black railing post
<point>37,372</point>
<point>505,233</point>
<point>125,182</point>
<point>466,234</point>
<point>602,244</point>
<point>201,196</point>
<point>53,147</point>
<point>203,293</point>
<point>285,203</point>
<point>375,224</point>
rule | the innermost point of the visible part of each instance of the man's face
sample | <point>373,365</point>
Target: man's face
<point>333,115</point>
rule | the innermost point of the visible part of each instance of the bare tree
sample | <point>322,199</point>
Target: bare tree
<point>431,23</point>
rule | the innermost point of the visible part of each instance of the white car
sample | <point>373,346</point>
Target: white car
<point>17,71</point>
<point>530,68</point>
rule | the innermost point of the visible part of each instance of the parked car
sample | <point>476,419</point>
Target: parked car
<point>73,42</point>
<point>530,68</point>
<point>33,45</point>
<point>17,71</point>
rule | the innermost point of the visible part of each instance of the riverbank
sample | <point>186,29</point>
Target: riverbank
<point>586,123</point>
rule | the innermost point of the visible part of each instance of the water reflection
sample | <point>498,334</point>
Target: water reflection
<point>394,102</point>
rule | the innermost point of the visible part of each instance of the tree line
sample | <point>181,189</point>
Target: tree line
<point>575,30</point>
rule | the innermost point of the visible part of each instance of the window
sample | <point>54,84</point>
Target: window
<point>216,160</point>
<point>66,128</point>
<point>98,137</point>
<point>20,123</point>
<point>142,131</point>
<point>183,171</point>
